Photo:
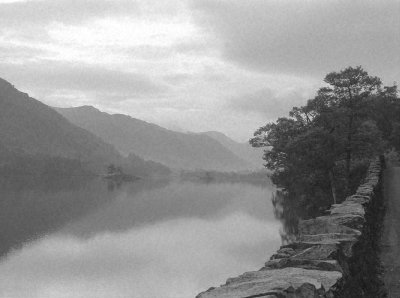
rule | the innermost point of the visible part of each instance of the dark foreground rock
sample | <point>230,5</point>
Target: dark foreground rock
<point>328,259</point>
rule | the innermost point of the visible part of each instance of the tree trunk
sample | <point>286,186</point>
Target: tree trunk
<point>349,153</point>
<point>333,185</point>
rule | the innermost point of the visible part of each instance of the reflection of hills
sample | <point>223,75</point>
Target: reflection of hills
<point>32,183</point>
<point>30,208</point>
<point>146,203</point>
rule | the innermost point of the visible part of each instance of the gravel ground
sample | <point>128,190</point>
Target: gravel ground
<point>391,235</point>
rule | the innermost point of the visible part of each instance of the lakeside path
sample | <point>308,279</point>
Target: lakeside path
<point>390,253</point>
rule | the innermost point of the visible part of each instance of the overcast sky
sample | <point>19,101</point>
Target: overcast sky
<point>193,65</point>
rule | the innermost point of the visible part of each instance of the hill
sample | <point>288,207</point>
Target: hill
<point>252,155</point>
<point>34,132</point>
<point>149,141</point>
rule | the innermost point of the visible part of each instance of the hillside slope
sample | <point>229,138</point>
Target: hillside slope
<point>244,150</point>
<point>31,128</point>
<point>150,141</point>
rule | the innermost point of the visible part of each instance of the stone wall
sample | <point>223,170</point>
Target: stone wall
<point>333,256</point>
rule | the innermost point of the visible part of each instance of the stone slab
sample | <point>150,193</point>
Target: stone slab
<point>275,282</point>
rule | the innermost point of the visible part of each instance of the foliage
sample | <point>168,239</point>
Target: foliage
<point>323,144</point>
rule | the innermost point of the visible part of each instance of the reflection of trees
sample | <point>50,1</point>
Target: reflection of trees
<point>287,212</point>
<point>113,185</point>
<point>259,178</point>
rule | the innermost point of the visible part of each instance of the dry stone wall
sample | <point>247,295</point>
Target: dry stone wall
<point>330,257</point>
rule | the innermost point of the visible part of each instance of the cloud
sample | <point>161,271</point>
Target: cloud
<point>267,102</point>
<point>42,12</point>
<point>50,77</point>
<point>179,60</point>
<point>305,37</point>
<point>30,20</point>
<point>18,52</point>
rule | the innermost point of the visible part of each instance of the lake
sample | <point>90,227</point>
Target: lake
<point>164,239</point>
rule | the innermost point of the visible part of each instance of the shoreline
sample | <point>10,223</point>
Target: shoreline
<point>333,255</point>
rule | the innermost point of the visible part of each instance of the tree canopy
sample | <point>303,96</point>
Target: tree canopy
<point>324,144</point>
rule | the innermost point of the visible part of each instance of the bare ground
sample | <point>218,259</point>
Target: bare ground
<point>390,249</point>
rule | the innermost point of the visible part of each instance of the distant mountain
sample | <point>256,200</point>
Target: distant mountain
<point>145,168</point>
<point>244,150</point>
<point>149,141</point>
<point>29,128</point>
<point>32,127</point>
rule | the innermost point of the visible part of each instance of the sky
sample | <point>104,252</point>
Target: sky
<point>193,65</point>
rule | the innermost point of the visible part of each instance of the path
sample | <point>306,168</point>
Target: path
<point>391,234</point>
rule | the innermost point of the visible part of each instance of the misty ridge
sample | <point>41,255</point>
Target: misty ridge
<point>38,139</point>
<point>207,151</point>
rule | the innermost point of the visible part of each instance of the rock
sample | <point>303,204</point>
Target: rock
<point>347,248</point>
<point>305,290</point>
<point>326,265</point>
<point>326,238</point>
<point>336,223</point>
<point>287,250</point>
<point>284,252</point>
<point>359,199</point>
<point>349,220</point>
<point>348,208</point>
<point>365,189</point>
<point>279,256</point>
<point>287,282</point>
<point>318,252</point>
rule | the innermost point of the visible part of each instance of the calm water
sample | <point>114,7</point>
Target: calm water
<point>166,239</point>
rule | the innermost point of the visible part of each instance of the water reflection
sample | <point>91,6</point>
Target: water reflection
<point>148,202</point>
<point>31,207</point>
<point>146,239</point>
<point>287,212</point>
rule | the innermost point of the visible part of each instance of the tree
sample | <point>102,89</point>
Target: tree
<point>300,155</point>
<point>349,91</point>
<point>318,143</point>
<point>386,107</point>
<point>111,169</point>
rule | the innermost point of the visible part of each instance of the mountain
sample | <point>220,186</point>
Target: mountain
<point>252,155</point>
<point>34,132</point>
<point>149,141</point>
<point>145,168</point>
<point>29,126</point>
